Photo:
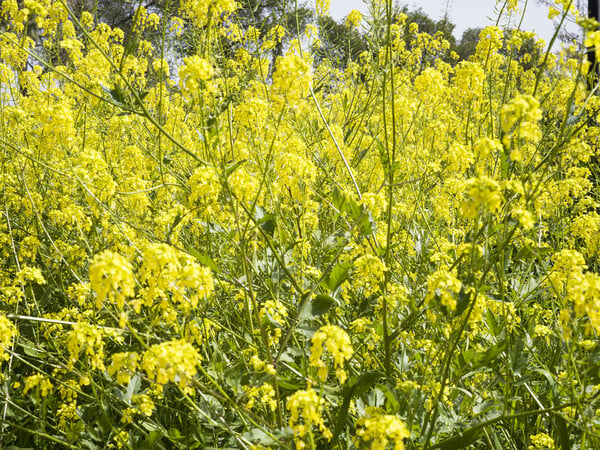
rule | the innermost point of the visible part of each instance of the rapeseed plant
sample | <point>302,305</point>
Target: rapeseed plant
<point>252,246</point>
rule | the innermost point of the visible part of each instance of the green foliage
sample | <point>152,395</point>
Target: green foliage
<point>274,244</point>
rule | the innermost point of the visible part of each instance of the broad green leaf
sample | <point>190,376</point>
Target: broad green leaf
<point>318,306</point>
<point>203,259</point>
<point>354,387</point>
<point>338,275</point>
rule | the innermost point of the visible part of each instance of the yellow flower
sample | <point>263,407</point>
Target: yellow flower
<point>322,7</point>
<point>353,19</point>
<point>444,284</point>
<point>338,345</point>
<point>292,77</point>
<point>32,381</point>
<point>86,338</point>
<point>194,72</point>
<point>200,11</point>
<point>27,274</point>
<point>593,40</point>
<point>480,193</point>
<point>145,404</point>
<point>124,365</point>
<point>306,411</point>
<point>524,217</point>
<point>381,430</point>
<point>541,441</point>
<point>174,361</point>
<point>111,277</point>
<point>553,12</point>
<point>368,274</point>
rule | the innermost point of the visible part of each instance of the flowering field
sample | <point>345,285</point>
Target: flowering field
<point>235,250</point>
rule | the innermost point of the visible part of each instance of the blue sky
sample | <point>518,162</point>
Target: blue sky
<point>464,13</point>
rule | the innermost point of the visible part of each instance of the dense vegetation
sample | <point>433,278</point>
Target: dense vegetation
<point>223,230</point>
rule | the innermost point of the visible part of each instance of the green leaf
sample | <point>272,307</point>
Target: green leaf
<point>492,352</point>
<point>393,404</point>
<point>462,440</point>
<point>153,439</point>
<point>133,387</point>
<point>338,275</point>
<point>321,304</point>
<point>354,387</point>
<point>358,212</point>
<point>462,302</point>
<point>268,223</point>
<point>318,306</point>
<point>174,434</point>
<point>258,436</point>
<point>233,167</point>
<point>203,259</point>
<point>31,350</point>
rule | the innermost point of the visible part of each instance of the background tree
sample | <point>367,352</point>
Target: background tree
<point>340,42</point>
<point>468,43</point>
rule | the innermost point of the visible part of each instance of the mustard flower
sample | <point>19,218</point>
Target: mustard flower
<point>353,19</point>
<point>524,217</point>
<point>200,11</point>
<point>174,361</point>
<point>541,441</point>
<point>205,187</point>
<point>36,380</point>
<point>86,338</point>
<point>480,193</point>
<point>67,415</point>
<point>265,394</point>
<point>194,73</point>
<point>338,346</point>
<point>380,431</point>
<point>111,278</point>
<point>322,7</point>
<point>7,331</point>
<point>368,274</point>
<point>144,403</point>
<point>292,77</point>
<point>30,274</point>
<point>444,284</point>
<point>123,365</point>
<point>306,412</point>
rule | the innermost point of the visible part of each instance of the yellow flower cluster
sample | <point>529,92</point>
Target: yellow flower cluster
<point>322,7</point>
<point>480,194</point>
<point>578,289</point>
<point>381,430</point>
<point>111,278</point>
<point>353,19</point>
<point>7,332</point>
<point>338,345</point>
<point>200,12</point>
<point>292,77</point>
<point>38,381</point>
<point>89,339</point>
<point>172,278</point>
<point>265,394</point>
<point>123,365</point>
<point>519,118</point>
<point>174,361</point>
<point>205,188</point>
<point>193,75</point>
<point>368,274</point>
<point>306,411</point>
<point>541,441</point>
<point>444,284</point>
<point>273,315</point>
